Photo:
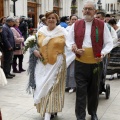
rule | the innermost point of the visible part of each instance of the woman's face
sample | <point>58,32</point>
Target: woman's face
<point>17,22</point>
<point>51,20</point>
<point>73,19</point>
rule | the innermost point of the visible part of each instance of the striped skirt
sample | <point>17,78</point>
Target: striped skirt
<point>54,101</point>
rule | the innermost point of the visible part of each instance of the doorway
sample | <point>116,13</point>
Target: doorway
<point>32,13</point>
<point>1,9</point>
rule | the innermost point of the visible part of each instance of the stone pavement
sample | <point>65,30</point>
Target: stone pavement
<point>16,104</point>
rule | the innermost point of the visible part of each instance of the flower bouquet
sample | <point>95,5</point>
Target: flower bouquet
<point>30,42</point>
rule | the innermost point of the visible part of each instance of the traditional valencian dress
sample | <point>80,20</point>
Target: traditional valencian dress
<point>50,74</point>
<point>3,80</point>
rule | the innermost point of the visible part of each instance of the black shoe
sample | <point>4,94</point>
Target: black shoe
<point>16,71</point>
<point>111,78</point>
<point>94,117</point>
<point>52,116</point>
<point>8,76</point>
<point>22,70</point>
<point>13,75</point>
<point>118,76</point>
<point>55,114</point>
<point>67,89</point>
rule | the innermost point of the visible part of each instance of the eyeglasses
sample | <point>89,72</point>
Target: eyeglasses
<point>89,9</point>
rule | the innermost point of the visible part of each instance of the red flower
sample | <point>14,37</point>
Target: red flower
<point>98,55</point>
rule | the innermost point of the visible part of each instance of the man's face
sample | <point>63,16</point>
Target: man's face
<point>107,19</point>
<point>88,12</point>
<point>100,17</point>
<point>11,23</point>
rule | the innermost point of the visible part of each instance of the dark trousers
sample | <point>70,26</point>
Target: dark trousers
<point>103,74</point>
<point>87,89</point>
<point>8,57</point>
<point>20,58</point>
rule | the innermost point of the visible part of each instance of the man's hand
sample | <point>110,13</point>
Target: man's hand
<point>99,59</point>
<point>37,54</point>
<point>80,51</point>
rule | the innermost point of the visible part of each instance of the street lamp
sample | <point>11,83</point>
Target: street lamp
<point>14,7</point>
<point>99,5</point>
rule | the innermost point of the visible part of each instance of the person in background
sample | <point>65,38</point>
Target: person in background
<point>1,45</point>
<point>18,53</point>
<point>42,23</point>
<point>114,62</point>
<point>107,18</point>
<point>101,16</point>
<point>23,27</point>
<point>9,45</point>
<point>3,20</point>
<point>70,81</point>
<point>3,81</point>
<point>32,32</point>
<point>40,16</point>
<point>63,21</point>
<point>90,52</point>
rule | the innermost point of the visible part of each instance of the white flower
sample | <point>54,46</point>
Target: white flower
<point>29,39</point>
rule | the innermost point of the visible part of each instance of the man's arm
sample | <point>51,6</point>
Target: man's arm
<point>70,38</point>
<point>114,36</point>
<point>107,41</point>
<point>5,39</point>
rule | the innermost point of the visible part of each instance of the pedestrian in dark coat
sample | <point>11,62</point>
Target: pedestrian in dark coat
<point>9,44</point>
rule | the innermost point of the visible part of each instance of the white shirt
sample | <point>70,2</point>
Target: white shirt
<point>114,36</point>
<point>107,39</point>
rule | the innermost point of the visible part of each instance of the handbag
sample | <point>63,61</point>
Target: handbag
<point>17,46</point>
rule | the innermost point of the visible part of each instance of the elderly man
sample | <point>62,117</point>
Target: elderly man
<point>9,44</point>
<point>91,41</point>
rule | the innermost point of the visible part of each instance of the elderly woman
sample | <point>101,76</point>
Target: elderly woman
<point>47,77</point>
<point>18,53</point>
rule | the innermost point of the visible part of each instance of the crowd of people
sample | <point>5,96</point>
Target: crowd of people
<point>70,54</point>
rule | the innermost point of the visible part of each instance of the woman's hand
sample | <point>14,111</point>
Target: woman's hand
<point>74,48</point>
<point>37,54</point>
